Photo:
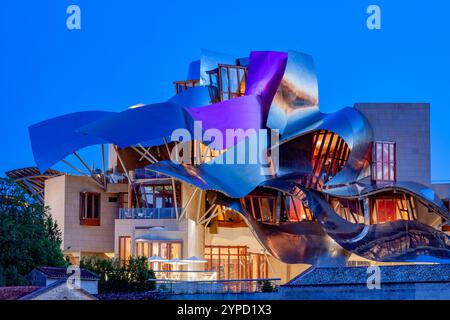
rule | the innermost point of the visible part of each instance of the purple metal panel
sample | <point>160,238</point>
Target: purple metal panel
<point>239,113</point>
<point>265,71</point>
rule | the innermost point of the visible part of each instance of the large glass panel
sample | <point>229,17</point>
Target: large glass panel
<point>266,209</point>
<point>385,153</point>
<point>89,206</point>
<point>96,209</point>
<point>224,80</point>
<point>155,249</point>
<point>175,250</point>
<point>164,250</point>
<point>234,86</point>
<point>379,175</point>
<point>241,74</point>
<point>379,152</point>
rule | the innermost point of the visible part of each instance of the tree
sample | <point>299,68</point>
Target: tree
<point>29,237</point>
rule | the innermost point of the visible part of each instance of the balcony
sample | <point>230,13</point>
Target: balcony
<point>147,213</point>
<point>144,173</point>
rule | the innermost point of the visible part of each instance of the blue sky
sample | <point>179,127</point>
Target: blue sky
<point>129,52</point>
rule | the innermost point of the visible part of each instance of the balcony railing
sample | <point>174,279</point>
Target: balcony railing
<point>144,173</point>
<point>147,213</point>
<point>217,286</point>
<point>186,275</point>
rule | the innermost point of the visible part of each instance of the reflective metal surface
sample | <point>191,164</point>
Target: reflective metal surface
<point>292,242</point>
<point>54,139</point>
<point>396,241</point>
<point>297,97</point>
<point>420,191</point>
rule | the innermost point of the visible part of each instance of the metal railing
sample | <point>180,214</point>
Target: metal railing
<point>148,213</point>
<point>186,275</point>
<point>144,173</point>
<point>217,286</point>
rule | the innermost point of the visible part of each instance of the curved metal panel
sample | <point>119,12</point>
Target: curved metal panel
<point>243,113</point>
<point>265,72</point>
<point>54,139</point>
<point>424,193</point>
<point>137,125</point>
<point>192,98</point>
<point>223,174</point>
<point>353,128</point>
<point>297,96</point>
<point>293,242</point>
<point>397,241</point>
<point>209,60</point>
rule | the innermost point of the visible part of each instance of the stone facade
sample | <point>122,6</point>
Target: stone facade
<point>408,125</point>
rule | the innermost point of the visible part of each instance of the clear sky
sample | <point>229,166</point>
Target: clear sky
<point>129,52</point>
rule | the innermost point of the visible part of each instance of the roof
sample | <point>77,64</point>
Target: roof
<point>14,293</point>
<point>61,273</point>
<point>32,179</point>
<point>56,284</point>
<point>359,275</point>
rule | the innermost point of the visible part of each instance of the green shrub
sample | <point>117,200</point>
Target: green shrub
<point>118,277</point>
<point>267,286</point>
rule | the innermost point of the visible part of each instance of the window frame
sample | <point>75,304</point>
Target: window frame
<point>375,163</point>
<point>83,209</point>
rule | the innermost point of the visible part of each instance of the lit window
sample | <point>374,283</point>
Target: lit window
<point>383,161</point>
<point>90,208</point>
<point>236,262</point>
<point>392,208</point>
<point>227,82</point>
<point>386,210</point>
<point>157,196</point>
<point>124,249</point>
<point>166,250</point>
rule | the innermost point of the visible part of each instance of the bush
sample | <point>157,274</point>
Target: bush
<point>119,277</point>
<point>267,286</point>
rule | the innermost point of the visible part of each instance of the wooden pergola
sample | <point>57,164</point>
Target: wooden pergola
<point>32,180</point>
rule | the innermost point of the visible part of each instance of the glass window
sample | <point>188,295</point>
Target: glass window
<point>124,248</point>
<point>383,161</point>
<point>90,208</point>
<point>158,195</point>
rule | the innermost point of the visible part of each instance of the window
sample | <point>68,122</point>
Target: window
<point>230,263</point>
<point>90,209</point>
<point>228,82</point>
<point>157,196</point>
<point>263,207</point>
<point>392,208</point>
<point>164,249</point>
<point>349,209</point>
<point>228,218</point>
<point>236,262</point>
<point>330,153</point>
<point>124,249</point>
<point>384,161</point>
<point>385,210</point>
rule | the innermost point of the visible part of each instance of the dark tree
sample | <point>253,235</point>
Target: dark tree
<point>29,237</point>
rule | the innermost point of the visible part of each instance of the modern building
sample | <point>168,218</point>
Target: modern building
<point>350,188</point>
